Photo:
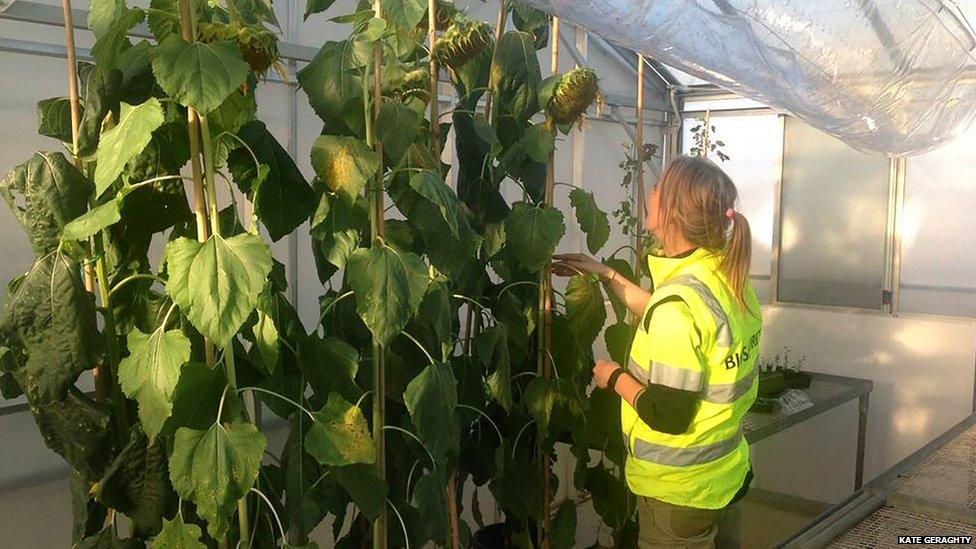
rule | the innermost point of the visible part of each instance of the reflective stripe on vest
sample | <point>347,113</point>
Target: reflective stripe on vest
<point>690,380</point>
<point>683,457</point>
<point>723,332</point>
<point>667,375</point>
<point>727,393</point>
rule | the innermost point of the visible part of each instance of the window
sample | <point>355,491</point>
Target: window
<point>833,221</point>
<point>938,224</point>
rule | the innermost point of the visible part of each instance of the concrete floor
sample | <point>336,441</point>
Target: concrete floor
<point>38,516</point>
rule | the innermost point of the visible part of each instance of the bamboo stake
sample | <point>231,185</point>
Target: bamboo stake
<point>435,125</point>
<point>499,31</point>
<point>69,41</point>
<point>639,169</point>
<point>187,24</point>
<point>377,229</point>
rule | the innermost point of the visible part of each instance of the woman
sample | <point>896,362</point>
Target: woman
<point>692,369</point>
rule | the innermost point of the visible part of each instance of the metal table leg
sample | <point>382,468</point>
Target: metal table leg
<point>862,427</point>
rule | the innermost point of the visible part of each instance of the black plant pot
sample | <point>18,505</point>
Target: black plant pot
<point>796,379</point>
<point>492,536</point>
<point>771,384</point>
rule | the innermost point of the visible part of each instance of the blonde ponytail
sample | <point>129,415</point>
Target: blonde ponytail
<point>738,256</point>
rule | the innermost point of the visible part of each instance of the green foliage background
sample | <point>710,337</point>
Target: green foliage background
<point>443,302</point>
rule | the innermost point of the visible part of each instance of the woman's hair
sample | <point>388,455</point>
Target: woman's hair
<point>697,200</point>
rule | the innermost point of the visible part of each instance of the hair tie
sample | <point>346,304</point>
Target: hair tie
<point>729,213</point>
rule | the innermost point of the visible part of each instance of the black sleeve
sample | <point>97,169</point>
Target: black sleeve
<point>666,409</point>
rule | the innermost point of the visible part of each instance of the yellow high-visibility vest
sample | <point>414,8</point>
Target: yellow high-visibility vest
<point>694,336</point>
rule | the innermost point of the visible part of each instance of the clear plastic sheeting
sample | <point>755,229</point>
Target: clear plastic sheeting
<point>896,77</point>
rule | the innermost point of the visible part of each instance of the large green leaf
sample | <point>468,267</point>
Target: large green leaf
<point>564,525</point>
<point>367,490</point>
<point>388,286</point>
<point>283,199</point>
<point>127,139</point>
<point>114,40</point>
<point>138,484</point>
<point>215,468</point>
<point>624,269</point>
<point>54,118</point>
<point>404,13</point>
<point>217,283</point>
<point>396,127</point>
<point>93,221</point>
<point>329,365</point>
<point>339,435</point>
<point>177,534</point>
<point>45,194</point>
<point>164,18</point>
<point>332,81</point>
<point>344,163</point>
<point>316,6</point>
<point>492,347</point>
<point>539,229</point>
<point>618,338</point>
<point>431,186</point>
<point>337,227</point>
<point>585,308</point>
<point>108,539</point>
<point>77,428</point>
<point>431,399</point>
<point>52,316</point>
<point>310,492</point>
<point>88,515</point>
<point>266,338</point>
<point>430,498</point>
<point>539,142</point>
<point>199,75</point>
<point>554,406</point>
<point>197,398</point>
<point>611,499</point>
<point>151,372</point>
<point>592,220</point>
<point>516,75</point>
<point>100,90</point>
<point>101,13</point>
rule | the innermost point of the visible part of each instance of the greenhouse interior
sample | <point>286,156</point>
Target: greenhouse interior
<point>487,273</point>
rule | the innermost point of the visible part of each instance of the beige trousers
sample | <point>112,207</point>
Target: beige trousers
<point>672,526</point>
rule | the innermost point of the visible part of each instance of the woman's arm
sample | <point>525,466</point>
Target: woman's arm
<point>633,296</point>
<point>662,408</point>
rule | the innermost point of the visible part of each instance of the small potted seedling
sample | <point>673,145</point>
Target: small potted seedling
<point>794,375</point>
<point>772,382</point>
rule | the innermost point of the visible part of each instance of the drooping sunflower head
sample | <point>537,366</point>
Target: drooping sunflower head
<point>257,45</point>
<point>462,42</point>
<point>574,93</point>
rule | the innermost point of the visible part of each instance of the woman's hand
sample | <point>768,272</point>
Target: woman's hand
<point>602,372</point>
<point>574,264</point>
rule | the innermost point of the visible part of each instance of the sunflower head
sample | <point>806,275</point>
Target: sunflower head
<point>258,46</point>
<point>574,93</point>
<point>462,42</point>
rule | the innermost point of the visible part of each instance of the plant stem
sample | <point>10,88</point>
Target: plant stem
<point>111,341</point>
<point>229,364</point>
<point>377,231</point>
<point>545,366</point>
